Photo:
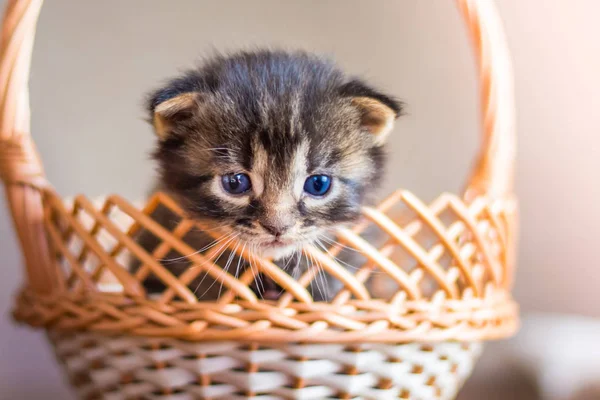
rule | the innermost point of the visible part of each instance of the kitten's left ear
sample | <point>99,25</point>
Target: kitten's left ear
<point>172,111</point>
<point>377,111</point>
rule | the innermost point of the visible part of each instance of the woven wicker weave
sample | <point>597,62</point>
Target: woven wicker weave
<point>407,323</point>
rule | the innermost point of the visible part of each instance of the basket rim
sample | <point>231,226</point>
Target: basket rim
<point>480,311</point>
<point>418,322</point>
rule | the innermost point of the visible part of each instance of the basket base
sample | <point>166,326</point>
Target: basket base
<point>127,367</point>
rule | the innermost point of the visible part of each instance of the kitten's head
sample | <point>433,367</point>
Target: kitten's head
<point>275,146</point>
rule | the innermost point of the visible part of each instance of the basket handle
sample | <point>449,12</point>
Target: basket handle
<point>23,175</point>
<point>493,172</point>
<point>20,165</point>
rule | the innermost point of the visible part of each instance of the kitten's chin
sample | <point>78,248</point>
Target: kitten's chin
<point>277,248</point>
<point>276,252</point>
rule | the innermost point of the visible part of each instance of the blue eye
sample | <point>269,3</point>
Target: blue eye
<point>317,185</point>
<point>236,183</point>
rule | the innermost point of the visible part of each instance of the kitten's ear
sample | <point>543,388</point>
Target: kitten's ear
<point>377,111</point>
<point>375,117</point>
<point>172,111</point>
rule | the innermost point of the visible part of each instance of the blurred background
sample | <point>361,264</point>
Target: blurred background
<point>94,61</point>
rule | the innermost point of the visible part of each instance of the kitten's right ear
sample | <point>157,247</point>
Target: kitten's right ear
<point>172,111</point>
<point>377,110</point>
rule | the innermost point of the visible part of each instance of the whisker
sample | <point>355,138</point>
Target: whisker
<point>315,280</point>
<point>296,272</point>
<point>336,243</point>
<point>237,270</point>
<point>323,274</point>
<point>214,228</point>
<point>231,257</point>
<point>221,250</point>
<point>223,271</point>
<point>324,248</point>
<point>211,244</point>
<point>218,148</point>
<point>287,263</point>
<point>254,274</point>
<point>259,277</point>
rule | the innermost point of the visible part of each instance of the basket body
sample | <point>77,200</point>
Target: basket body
<point>439,273</point>
<point>126,367</point>
<point>406,323</point>
<point>275,350</point>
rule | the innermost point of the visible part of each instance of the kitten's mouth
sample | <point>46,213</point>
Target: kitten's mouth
<point>267,289</point>
<point>275,248</point>
<point>277,243</point>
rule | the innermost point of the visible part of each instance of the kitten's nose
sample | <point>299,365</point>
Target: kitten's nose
<point>276,228</point>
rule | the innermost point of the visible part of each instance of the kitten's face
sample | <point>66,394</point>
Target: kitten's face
<point>275,166</point>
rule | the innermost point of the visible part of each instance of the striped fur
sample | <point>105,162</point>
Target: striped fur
<point>278,117</point>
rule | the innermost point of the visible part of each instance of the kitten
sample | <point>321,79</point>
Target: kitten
<point>274,147</point>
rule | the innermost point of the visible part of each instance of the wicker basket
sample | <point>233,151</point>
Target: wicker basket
<point>407,324</point>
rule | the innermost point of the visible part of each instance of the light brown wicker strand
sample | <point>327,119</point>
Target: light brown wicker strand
<point>76,266</point>
<point>493,172</point>
<point>328,263</point>
<point>510,254</point>
<point>406,234</point>
<point>439,230</point>
<point>199,260</point>
<point>83,254</point>
<point>492,264</point>
<point>127,242</point>
<point>130,285</point>
<point>20,166</point>
<point>417,252</point>
<point>365,271</point>
<point>283,279</point>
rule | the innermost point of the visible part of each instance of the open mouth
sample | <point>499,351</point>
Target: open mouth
<point>266,288</point>
<point>276,249</point>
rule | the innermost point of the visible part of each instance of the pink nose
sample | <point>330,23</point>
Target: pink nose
<point>276,229</point>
